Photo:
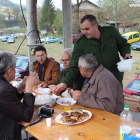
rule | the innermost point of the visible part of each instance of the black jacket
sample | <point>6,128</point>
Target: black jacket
<point>12,110</point>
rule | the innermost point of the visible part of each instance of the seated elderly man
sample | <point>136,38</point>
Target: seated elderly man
<point>65,59</point>
<point>47,69</point>
<point>12,110</point>
<point>101,90</point>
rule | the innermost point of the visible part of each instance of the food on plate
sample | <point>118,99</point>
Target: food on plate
<point>66,102</point>
<point>73,116</point>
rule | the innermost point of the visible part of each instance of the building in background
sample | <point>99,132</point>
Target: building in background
<point>128,27</point>
<point>9,17</point>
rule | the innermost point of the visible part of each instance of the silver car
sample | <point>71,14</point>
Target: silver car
<point>11,40</point>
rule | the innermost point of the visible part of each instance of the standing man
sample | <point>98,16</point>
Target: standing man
<point>47,69</point>
<point>103,42</point>
<point>12,110</point>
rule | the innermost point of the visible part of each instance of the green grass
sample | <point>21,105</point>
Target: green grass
<point>13,31</point>
<point>53,49</point>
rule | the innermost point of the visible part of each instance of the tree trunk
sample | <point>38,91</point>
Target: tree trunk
<point>77,16</point>
<point>116,26</point>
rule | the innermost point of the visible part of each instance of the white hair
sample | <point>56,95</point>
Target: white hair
<point>88,61</point>
<point>68,50</point>
<point>7,61</point>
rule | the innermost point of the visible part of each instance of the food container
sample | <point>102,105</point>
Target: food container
<point>42,99</point>
<point>125,65</point>
<point>43,91</point>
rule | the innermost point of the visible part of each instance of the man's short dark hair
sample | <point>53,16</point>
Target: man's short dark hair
<point>90,18</point>
<point>39,48</point>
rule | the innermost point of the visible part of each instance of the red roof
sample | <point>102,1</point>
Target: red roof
<point>9,16</point>
<point>127,24</point>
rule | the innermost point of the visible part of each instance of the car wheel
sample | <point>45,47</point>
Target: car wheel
<point>47,42</point>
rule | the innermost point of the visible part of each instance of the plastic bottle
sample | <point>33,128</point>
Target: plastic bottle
<point>126,119</point>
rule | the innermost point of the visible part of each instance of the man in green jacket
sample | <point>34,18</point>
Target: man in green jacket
<point>105,43</point>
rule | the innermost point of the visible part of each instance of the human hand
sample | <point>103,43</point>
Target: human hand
<point>75,94</point>
<point>21,86</point>
<point>43,85</point>
<point>127,56</point>
<point>31,81</point>
<point>52,87</point>
<point>70,90</point>
<point>59,88</point>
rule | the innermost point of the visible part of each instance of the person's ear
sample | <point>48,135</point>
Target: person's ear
<point>95,25</point>
<point>85,70</point>
<point>9,71</point>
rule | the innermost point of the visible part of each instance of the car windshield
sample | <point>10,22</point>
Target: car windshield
<point>22,63</point>
<point>126,37</point>
<point>134,86</point>
<point>10,38</point>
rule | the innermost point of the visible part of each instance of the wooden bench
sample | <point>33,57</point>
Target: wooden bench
<point>133,102</point>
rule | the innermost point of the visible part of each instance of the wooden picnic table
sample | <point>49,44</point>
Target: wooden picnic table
<point>101,126</point>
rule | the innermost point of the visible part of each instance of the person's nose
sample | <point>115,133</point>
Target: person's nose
<point>84,31</point>
<point>64,62</point>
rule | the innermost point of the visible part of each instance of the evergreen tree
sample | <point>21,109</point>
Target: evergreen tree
<point>48,15</point>
<point>58,22</point>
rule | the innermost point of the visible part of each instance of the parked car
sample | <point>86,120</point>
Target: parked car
<point>50,39</point>
<point>61,67</point>
<point>22,65</point>
<point>42,39</point>
<point>75,37</point>
<point>133,88</point>
<point>132,37</point>
<point>60,40</point>
<point>11,40</point>
<point>4,38</point>
<point>14,35</point>
<point>136,46</point>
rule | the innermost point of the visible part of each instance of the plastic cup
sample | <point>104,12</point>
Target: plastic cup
<point>68,107</point>
<point>48,122</point>
<point>62,132</point>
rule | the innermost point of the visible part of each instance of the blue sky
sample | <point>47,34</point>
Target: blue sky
<point>57,3</point>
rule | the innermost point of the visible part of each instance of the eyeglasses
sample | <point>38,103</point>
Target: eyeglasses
<point>64,60</point>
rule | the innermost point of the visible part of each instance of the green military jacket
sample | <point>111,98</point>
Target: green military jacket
<point>107,54</point>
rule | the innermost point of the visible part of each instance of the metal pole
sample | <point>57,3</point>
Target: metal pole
<point>67,23</point>
<point>31,32</point>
